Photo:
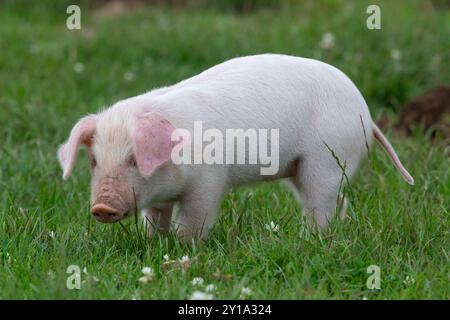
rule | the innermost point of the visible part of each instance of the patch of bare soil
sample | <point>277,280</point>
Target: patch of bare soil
<point>429,111</point>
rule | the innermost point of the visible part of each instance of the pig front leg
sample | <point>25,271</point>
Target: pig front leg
<point>199,208</point>
<point>157,219</point>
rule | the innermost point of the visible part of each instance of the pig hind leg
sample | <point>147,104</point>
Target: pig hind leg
<point>318,183</point>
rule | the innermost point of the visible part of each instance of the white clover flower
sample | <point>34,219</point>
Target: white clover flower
<point>185,262</point>
<point>78,67</point>
<point>167,263</point>
<point>147,271</point>
<point>364,298</point>
<point>199,295</point>
<point>396,54</point>
<point>128,76</point>
<point>245,292</point>
<point>184,259</point>
<point>197,281</point>
<point>210,288</point>
<point>148,275</point>
<point>144,279</point>
<point>272,227</point>
<point>409,280</point>
<point>327,41</point>
<point>51,234</point>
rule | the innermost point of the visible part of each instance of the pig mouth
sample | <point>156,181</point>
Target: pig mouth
<point>108,219</point>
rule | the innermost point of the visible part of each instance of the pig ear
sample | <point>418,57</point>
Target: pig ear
<point>152,142</point>
<point>81,133</point>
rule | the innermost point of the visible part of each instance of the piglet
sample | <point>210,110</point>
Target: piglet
<point>324,131</point>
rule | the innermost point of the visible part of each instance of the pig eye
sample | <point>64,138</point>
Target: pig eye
<point>93,162</point>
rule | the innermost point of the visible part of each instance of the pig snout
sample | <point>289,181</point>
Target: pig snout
<point>104,213</point>
<point>109,205</point>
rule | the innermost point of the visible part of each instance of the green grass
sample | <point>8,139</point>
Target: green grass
<point>402,229</point>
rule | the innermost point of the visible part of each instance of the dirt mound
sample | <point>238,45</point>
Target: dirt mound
<point>429,111</point>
